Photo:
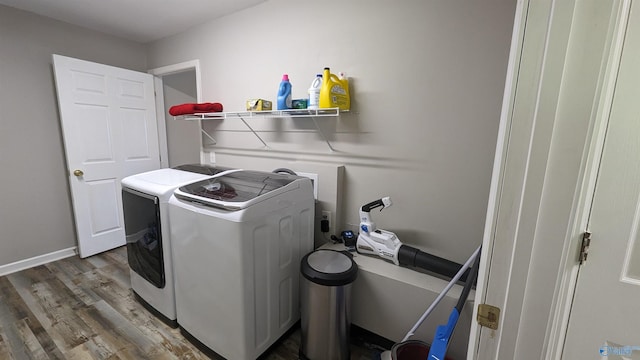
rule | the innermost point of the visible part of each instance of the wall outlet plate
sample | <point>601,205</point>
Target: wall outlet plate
<point>326,215</point>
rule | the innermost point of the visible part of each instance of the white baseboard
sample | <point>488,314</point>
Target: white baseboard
<point>37,260</point>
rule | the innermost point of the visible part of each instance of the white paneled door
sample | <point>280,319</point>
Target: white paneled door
<point>110,132</point>
<point>605,316</point>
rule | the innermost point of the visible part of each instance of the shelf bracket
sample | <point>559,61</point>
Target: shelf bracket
<point>209,136</point>
<point>254,132</point>
<point>322,134</point>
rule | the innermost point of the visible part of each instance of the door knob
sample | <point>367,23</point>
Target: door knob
<point>78,173</point>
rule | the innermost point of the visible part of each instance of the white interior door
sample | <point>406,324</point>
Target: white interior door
<point>110,132</point>
<point>605,315</point>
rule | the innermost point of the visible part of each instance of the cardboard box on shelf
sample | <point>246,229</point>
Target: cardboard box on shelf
<point>258,105</point>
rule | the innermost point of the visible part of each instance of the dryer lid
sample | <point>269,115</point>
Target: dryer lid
<point>202,168</point>
<point>235,190</point>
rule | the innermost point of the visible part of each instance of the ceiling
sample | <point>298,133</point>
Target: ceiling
<point>138,20</point>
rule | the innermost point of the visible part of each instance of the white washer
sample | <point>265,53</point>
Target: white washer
<point>145,199</point>
<point>237,244</point>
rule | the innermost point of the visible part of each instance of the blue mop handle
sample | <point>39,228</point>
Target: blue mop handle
<point>441,339</point>
<point>443,332</point>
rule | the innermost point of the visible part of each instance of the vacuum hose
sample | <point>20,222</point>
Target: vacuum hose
<point>410,256</point>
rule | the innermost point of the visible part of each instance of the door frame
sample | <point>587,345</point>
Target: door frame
<point>539,199</point>
<point>158,73</point>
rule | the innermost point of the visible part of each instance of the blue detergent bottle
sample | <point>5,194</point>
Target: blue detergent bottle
<point>284,94</point>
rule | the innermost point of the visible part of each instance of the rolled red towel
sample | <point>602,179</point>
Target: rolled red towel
<point>208,107</point>
<point>191,108</point>
<point>182,109</point>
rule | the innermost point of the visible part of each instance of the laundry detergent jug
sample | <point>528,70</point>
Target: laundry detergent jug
<point>284,94</point>
<point>334,92</point>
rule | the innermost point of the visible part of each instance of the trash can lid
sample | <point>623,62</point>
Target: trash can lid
<point>329,267</point>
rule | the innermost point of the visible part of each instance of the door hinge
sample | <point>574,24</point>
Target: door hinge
<point>584,247</point>
<point>488,316</point>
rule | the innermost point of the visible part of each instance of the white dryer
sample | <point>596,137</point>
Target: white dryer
<point>237,244</point>
<point>145,199</point>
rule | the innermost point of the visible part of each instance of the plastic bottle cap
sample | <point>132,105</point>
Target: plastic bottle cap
<point>285,77</point>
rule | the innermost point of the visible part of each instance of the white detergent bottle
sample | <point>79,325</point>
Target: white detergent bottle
<point>314,92</point>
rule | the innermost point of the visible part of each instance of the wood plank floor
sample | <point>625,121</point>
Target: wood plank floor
<point>84,309</point>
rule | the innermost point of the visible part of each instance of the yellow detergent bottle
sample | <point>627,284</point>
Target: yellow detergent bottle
<point>345,83</point>
<point>334,92</point>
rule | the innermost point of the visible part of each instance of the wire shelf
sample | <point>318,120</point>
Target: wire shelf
<point>268,113</point>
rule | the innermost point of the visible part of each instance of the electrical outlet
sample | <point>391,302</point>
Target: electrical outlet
<point>207,157</point>
<point>326,216</point>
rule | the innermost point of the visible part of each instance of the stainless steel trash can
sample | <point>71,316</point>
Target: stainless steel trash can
<point>325,302</point>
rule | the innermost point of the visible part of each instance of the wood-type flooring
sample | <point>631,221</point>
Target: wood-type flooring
<point>84,309</point>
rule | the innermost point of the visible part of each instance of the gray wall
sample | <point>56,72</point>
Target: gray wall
<point>36,216</point>
<point>427,81</point>
<point>183,137</point>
